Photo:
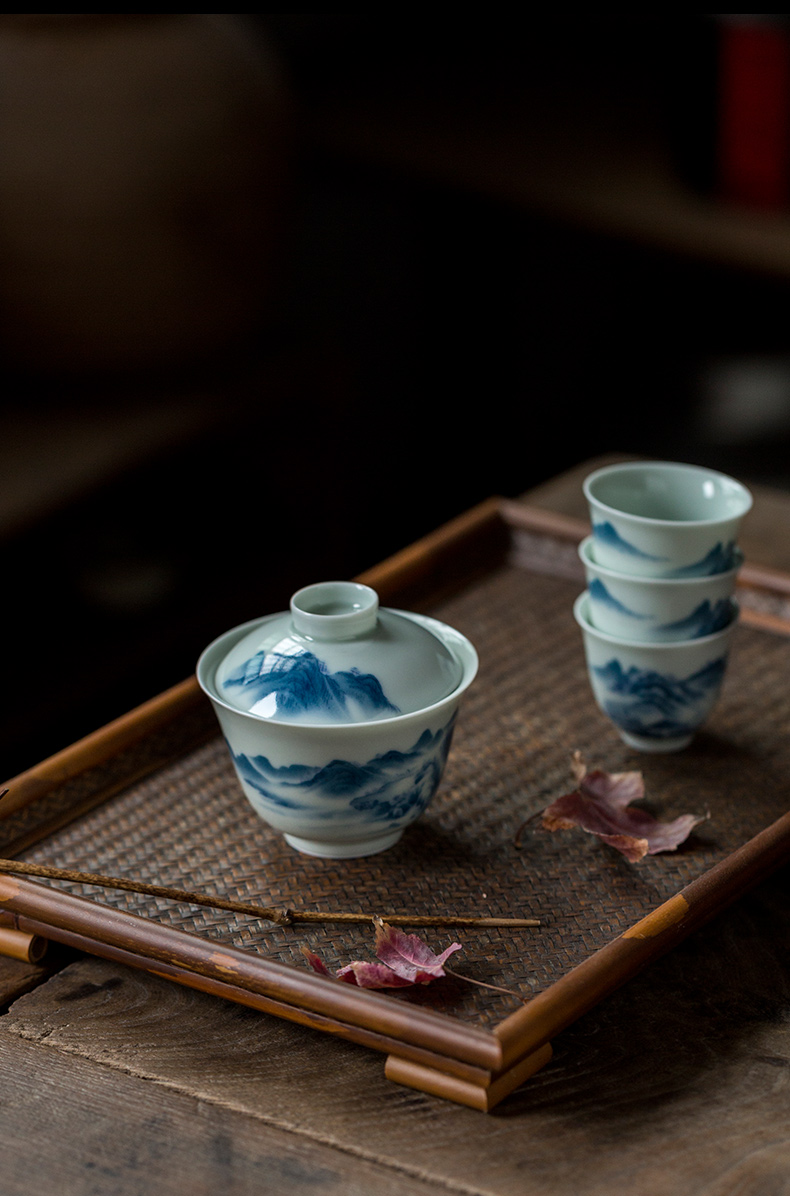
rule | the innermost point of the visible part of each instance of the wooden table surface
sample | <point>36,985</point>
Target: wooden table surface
<point>115,1081</point>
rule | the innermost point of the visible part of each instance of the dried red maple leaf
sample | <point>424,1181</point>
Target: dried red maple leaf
<point>408,956</point>
<point>601,805</point>
<point>406,960</point>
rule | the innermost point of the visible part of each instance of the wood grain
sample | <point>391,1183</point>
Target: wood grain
<point>18,976</point>
<point>74,1127</point>
<point>677,1085</point>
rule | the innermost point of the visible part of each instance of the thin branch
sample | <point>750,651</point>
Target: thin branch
<point>281,917</point>
<point>511,992</point>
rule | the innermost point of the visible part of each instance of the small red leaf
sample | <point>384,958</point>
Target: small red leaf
<point>315,961</point>
<point>601,806</point>
<point>405,960</point>
<point>408,955</point>
<point>372,975</point>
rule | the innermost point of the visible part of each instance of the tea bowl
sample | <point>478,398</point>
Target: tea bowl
<point>664,519</point>
<point>657,695</point>
<point>658,609</point>
<point>338,715</point>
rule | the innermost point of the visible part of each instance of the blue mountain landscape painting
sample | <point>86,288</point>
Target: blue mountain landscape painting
<point>720,559</point>
<point>657,705</point>
<point>608,534</point>
<point>389,787</point>
<point>705,619</point>
<point>301,684</point>
<point>599,592</point>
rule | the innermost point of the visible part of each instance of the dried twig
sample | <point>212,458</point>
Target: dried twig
<point>282,917</point>
<point>497,988</point>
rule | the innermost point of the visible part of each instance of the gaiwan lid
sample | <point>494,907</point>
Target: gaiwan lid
<point>337,657</point>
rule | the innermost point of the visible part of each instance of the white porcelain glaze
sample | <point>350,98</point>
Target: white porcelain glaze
<point>341,789</point>
<point>657,695</point>
<point>664,519</point>
<point>657,609</point>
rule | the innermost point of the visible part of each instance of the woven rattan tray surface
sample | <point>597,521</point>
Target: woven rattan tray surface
<point>187,823</point>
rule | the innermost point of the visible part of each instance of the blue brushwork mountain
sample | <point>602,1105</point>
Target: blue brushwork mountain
<point>303,685</point>
<point>720,559</point>
<point>608,534</point>
<point>658,705</point>
<point>389,787</point>
<point>705,619</point>
<point>599,593</point>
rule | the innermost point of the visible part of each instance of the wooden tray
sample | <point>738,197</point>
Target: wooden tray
<point>153,796</point>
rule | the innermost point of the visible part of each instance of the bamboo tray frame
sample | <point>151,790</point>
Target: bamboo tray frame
<point>427,1050</point>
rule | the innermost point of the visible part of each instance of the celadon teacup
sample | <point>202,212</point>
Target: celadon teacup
<point>664,519</point>
<point>659,694</point>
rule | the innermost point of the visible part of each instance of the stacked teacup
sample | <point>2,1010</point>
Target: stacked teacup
<point>659,610</point>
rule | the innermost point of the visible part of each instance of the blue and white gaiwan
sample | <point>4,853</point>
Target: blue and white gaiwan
<point>338,715</point>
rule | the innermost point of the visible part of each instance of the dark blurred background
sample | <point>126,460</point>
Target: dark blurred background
<point>280,293</point>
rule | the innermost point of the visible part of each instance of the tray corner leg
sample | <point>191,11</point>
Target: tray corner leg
<point>475,1096</point>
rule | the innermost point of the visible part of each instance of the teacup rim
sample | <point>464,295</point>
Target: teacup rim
<point>660,466</point>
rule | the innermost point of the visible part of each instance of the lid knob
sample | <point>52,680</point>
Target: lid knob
<point>335,610</point>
